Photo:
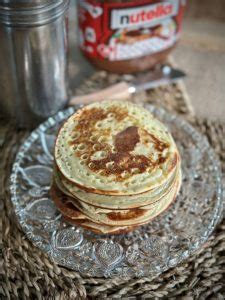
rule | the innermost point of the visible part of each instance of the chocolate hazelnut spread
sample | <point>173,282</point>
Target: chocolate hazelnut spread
<point>129,36</point>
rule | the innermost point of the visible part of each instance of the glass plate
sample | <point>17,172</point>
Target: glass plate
<point>148,251</point>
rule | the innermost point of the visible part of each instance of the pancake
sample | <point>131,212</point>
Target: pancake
<point>129,217</point>
<point>116,168</point>
<point>74,218</point>
<point>72,215</point>
<point>58,182</point>
<point>100,229</point>
<point>117,217</point>
<point>115,148</point>
<point>64,206</point>
<point>115,202</point>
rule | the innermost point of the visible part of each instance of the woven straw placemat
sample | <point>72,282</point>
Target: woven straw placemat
<point>27,273</point>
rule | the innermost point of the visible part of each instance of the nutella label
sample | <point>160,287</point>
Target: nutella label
<point>143,16</point>
<point>127,30</point>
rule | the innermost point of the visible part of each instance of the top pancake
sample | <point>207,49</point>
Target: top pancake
<point>115,148</point>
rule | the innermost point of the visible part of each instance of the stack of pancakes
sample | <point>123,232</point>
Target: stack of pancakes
<point>116,167</point>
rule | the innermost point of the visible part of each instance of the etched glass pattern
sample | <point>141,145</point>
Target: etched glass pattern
<point>149,250</point>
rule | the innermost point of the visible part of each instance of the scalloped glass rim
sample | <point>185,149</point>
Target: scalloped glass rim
<point>119,267</point>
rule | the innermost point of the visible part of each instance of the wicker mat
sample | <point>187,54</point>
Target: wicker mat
<point>27,273</point>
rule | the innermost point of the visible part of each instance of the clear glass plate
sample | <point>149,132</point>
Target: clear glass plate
<point>148,251</point>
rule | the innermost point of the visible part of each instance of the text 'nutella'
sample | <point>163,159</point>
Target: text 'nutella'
<point>128,36</point>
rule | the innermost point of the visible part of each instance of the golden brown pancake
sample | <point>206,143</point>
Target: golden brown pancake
<point>116,167</point>
<point>78,211</point>
<point>100,229</point>
<point>72,215</point>
<point>114,202</point>
<point>115,148</point>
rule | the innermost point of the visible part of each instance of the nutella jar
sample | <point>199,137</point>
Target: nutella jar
<point>128,36</point>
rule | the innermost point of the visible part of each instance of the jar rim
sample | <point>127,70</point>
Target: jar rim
<point>32,15</point>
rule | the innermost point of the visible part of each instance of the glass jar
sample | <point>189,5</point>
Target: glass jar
<point>128,36</point>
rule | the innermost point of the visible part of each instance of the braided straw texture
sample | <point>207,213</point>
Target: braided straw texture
<point>27,273</point>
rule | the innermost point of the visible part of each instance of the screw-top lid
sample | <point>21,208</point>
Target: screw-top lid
<point>25,4</point>
<point>31,12</point>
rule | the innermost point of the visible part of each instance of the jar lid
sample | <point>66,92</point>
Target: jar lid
<point>31,12</point>
<point>24,4</point>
